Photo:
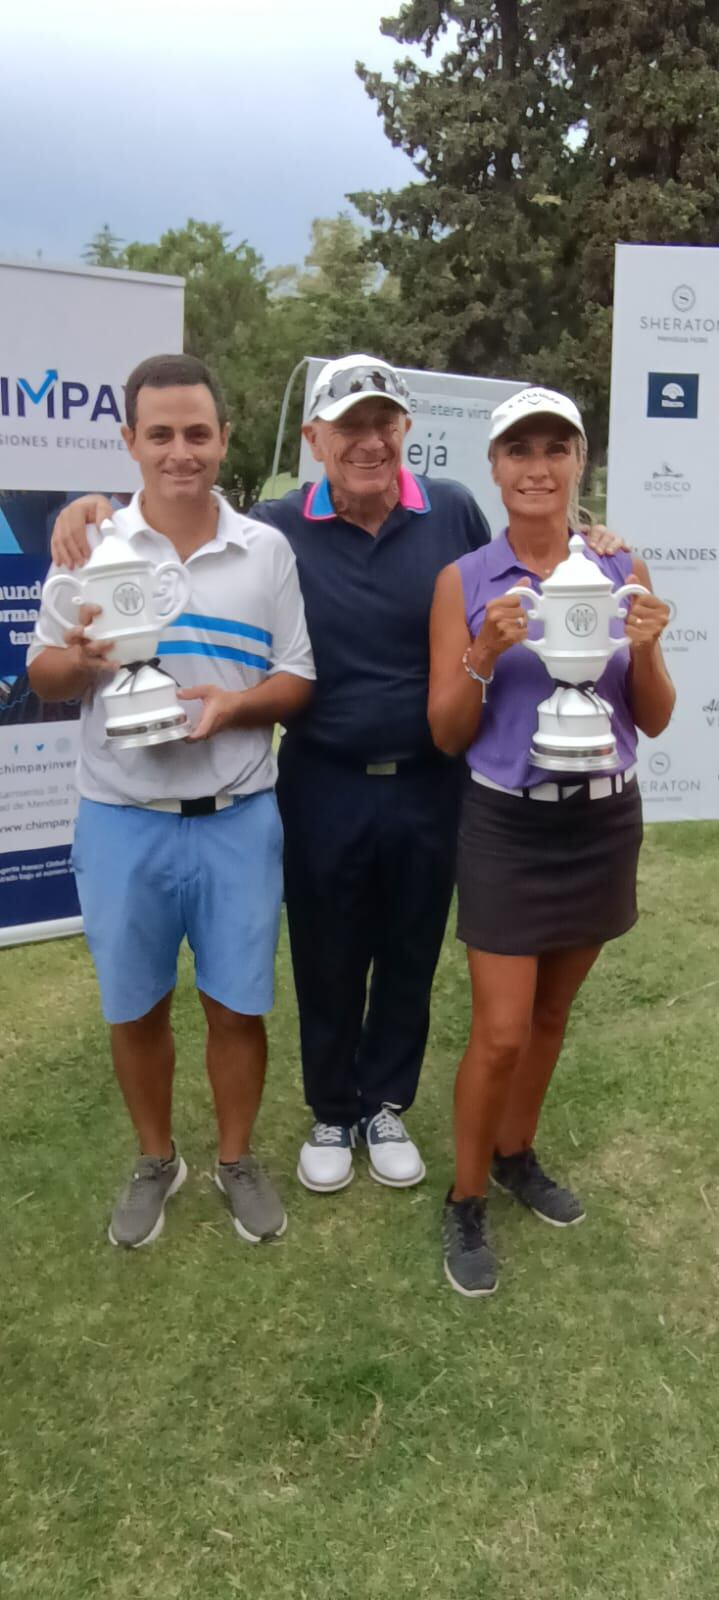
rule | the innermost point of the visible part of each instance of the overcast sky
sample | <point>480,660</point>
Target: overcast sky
<point>145,112</point>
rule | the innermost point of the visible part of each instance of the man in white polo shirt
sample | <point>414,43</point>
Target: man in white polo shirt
<point>185,838</point>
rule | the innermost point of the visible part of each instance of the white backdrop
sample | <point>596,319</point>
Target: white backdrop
<point>68,340</point>
<point>449,435</point>
<point>662,496</point>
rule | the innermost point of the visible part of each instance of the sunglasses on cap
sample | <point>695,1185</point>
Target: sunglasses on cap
<point>361,380</point>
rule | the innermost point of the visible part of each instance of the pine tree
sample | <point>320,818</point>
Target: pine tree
<point>547,132</point>
<point>105,249</point>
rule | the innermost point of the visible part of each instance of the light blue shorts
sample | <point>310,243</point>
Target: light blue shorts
<point>146,879</point>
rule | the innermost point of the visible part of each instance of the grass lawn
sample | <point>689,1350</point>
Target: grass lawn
<point>322,1418</point>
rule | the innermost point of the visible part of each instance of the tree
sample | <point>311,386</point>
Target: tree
<point>253,326</point>
<point>338,301</point>
<point>646,170</point>
<point>228,325</point>
<point>547,131</point>
<point>104,249</point>
<point>343,297</point>
<point>473,244</point>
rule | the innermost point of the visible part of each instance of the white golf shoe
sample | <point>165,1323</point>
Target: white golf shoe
<point>325,1162</point>
<point>393,1157</point>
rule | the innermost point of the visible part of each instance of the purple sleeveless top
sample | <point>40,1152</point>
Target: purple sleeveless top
<point>500,749</point>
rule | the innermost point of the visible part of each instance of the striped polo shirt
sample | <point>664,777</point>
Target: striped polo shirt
<point>244,620</point>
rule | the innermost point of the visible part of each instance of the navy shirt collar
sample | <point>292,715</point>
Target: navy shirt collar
<point>413,496</point>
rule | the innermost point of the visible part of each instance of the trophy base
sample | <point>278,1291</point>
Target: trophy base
<point>147,733</point>
<point>141,708</point>
<point>575,760</point>
<point>574,732</point>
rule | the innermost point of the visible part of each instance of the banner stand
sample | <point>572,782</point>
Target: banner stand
<point>661,497</point>
<point>35,932</point>
<point>69,337</point>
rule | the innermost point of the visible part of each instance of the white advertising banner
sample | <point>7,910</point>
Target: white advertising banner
<point>449,435</point>
<point>662,496</point>
<point>68,339</point>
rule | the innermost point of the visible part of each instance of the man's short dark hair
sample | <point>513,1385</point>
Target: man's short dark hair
<point>169,372</point>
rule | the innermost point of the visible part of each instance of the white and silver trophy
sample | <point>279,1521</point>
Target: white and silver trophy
<point>576,605</point>
<point>137,601</point>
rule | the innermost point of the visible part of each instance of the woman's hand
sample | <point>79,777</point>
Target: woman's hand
<point>646,620</point>
<point>505,624</point>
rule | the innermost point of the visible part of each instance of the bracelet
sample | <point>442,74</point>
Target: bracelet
<point>477,676</point>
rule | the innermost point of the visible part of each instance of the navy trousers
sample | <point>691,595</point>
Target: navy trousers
<point>369,872</point>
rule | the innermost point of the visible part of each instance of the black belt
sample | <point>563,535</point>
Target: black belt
<point>204,806</point>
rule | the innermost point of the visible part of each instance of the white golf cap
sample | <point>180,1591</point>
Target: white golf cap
<point>534,403</point>
<point>342,384</point>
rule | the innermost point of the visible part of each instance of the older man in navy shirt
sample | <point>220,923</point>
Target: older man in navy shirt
<point>368,804</point>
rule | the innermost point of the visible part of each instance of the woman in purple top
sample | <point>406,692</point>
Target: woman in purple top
<point>546,865</point>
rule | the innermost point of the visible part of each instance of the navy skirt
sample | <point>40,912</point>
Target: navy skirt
<point>536,875</point>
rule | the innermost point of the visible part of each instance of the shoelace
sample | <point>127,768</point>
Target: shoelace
<point>239,1173</point>
<point>140,1176</point>
<point>387,1125</point>
<point>327,1133</point>
<point>148,1173</point>
<point>469,1217</point>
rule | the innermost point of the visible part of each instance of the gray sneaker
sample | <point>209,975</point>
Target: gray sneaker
<point>522,1176</point>
<point>255,1205</point>
<point>469,1260</point>
<point>139,1213</point>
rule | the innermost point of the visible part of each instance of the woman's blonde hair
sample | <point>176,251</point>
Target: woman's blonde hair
<point>579,516</point>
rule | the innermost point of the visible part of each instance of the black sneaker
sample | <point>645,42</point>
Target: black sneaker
<point>469,1261</point>
<point>522,1176</point>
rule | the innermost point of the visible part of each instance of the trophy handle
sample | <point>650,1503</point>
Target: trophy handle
<point>60,581</point>
<point>165,571</point>
<point>534,612</point>
<point>620,611</point>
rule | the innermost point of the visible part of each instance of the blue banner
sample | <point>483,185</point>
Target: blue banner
<point>38,741</point>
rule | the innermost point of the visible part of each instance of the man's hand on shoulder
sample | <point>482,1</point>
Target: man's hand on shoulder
<point>602,542</point>
<point>69,545</point>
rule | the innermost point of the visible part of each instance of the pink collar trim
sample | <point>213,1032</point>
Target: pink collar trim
<point>318,505</point>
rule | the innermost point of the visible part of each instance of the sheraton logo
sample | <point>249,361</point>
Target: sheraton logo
<point>681,319</point>
<point>661,784</point>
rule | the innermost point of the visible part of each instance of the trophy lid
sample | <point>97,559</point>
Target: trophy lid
<point>577,573</point>
<point>113,552</point>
